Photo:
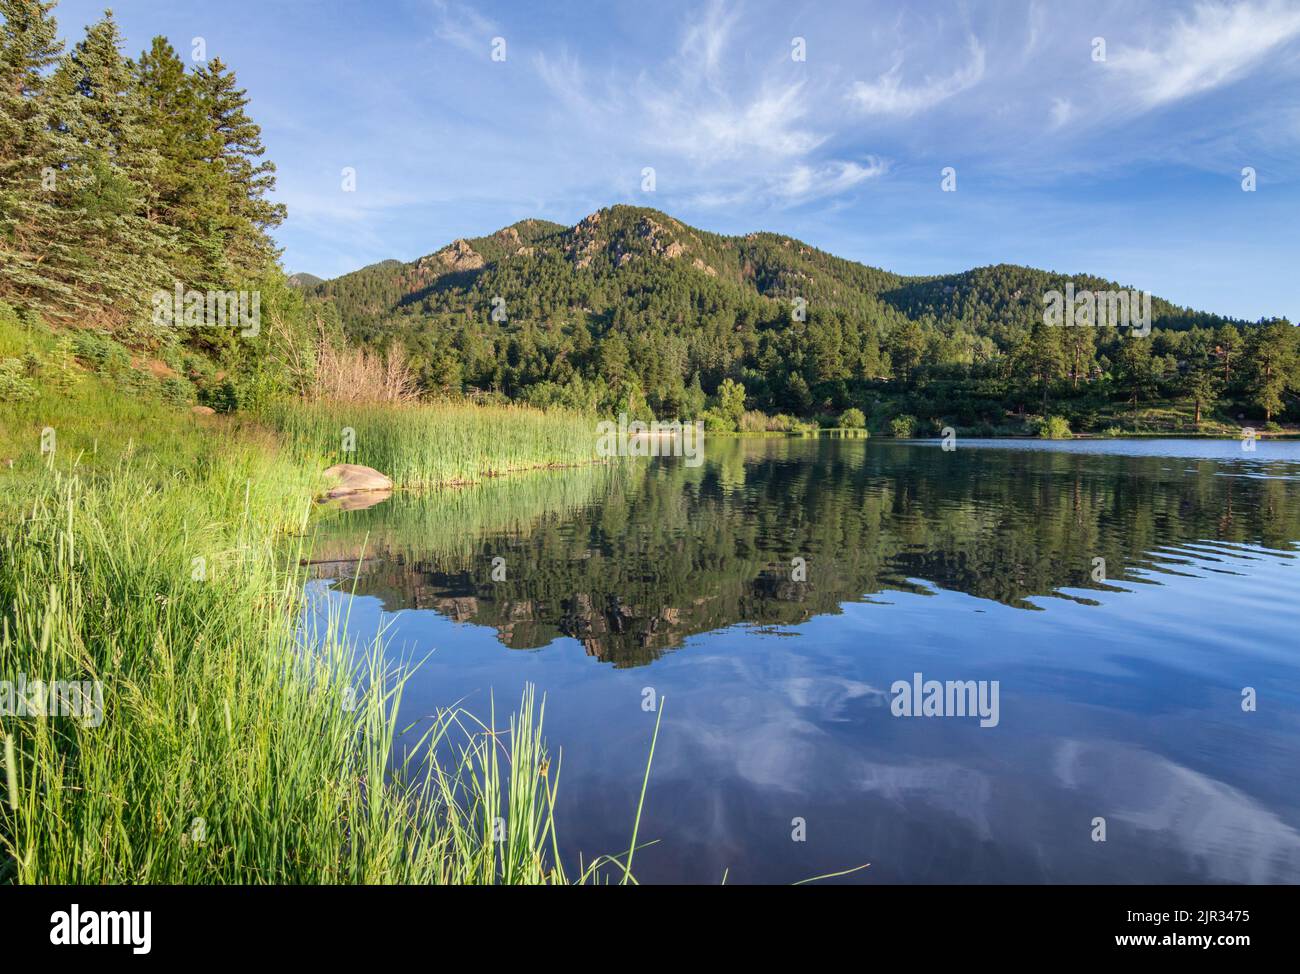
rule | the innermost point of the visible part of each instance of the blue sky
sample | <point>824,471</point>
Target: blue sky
<point>1128,167</point>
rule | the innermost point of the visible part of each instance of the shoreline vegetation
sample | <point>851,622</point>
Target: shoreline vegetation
<point>146,551</point>
<point>151,557</point>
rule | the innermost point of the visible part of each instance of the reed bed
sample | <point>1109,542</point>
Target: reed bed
<point>435,444</point>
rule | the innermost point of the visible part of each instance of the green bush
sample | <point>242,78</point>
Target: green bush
<point>853,419</point>
<point>1053,428</point>
<point>92,347</point>
<point>15,386</point>
<point>716,422</point>
<point>178,390</point>
<point>903,427</point>
<point>222,397</point>
<point>136,382</point>
<point>59,370</point>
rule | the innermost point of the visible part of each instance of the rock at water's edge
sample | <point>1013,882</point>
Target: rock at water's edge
<point>353,478</point>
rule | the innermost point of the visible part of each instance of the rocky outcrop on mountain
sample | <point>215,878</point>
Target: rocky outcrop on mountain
<point>457,256</point>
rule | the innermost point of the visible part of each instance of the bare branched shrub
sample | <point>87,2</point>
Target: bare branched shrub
<point>346,374</point>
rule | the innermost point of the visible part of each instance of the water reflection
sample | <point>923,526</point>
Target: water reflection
<point>632,560</point>
<point>1121,691</point>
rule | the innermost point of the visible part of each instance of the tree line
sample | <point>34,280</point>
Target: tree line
<point>120,176</point>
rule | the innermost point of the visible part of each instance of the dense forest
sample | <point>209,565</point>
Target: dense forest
<point>634,310</point>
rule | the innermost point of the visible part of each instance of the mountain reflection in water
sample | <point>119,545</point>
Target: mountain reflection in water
<point>631,560</point>
<point>1121,593</point>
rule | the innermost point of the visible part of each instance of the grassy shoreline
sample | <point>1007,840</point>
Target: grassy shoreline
<point>435,445</point>
<point>147,554</point>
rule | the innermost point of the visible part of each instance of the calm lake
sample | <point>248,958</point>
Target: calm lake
<point>1122,594</point>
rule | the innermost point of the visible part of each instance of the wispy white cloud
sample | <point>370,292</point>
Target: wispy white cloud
<point>705,41</point>
<point>684,105</point>
<point>800,184</point>
<point>888,95</point>
<point>804,182</point>
<point>719,132</point>
<point>1062,112</point>
<point>1219,43</point>
<point>562,75</point>
<point>770,122</point>
<point>464,27</point>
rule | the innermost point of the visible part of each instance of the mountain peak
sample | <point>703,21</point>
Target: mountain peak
<point>632,259</point>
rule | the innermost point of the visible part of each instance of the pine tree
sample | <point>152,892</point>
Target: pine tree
<point>105,117</point>
<point>1228,339</point>
<point>1041,357</point>
<point>1081,349</point>
<point>1203,386</point>
<point>1135,369</point>
<point>36,263</point>
<point>186,191</point>
<point>234,146</point>
<point>1271,359</point>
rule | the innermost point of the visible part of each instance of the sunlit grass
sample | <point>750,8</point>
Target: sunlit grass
<point>443,443</point>
<point>158,553</point>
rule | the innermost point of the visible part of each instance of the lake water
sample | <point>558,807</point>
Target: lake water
<point>1122,594</point>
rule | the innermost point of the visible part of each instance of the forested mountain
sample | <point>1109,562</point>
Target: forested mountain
<point>633,309</point>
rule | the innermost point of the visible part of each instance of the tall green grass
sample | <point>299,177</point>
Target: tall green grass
<point>232,748</point>
<point>445,443</point>
<point>158,553</point>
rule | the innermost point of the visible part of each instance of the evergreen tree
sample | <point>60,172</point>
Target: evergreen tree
<point>37,265</point>
<point>1228,339</point>
<point>1135,369</point>
<point>1040,356</point>
<point>1202,386</point>
<point>1271,360</point>
<point>1080,348</point>
<point>907,349</point>
<point>105,118</point>
<point>186,190</point>
<point>234,146</point>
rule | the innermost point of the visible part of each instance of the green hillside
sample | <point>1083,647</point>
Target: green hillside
<point>632,309</point>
